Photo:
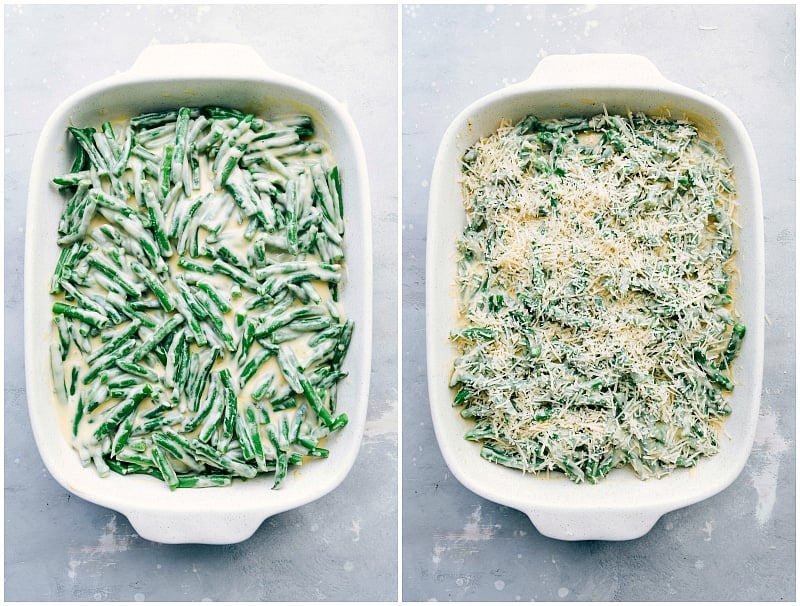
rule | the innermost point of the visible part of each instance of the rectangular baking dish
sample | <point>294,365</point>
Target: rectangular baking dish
<point>165,77</point>
<point>621,506</point>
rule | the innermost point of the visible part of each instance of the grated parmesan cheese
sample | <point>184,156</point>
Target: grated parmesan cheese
<point>593,272</point>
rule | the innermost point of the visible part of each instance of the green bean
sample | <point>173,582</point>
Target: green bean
<point>165,467</point>
<point>264,389</point>
<point>156,337</point>
<point>154,284</point>
<point>157,221</point>
<point>222,461</point>
<point>177,447</point>
<point>251,426</point>
<point>71,311</point>
<point>236,274</point>
<point>115,415</point>
<point>735,344</point>
<point>85,138</point>
<point>223,305</point>
<point>123,433</point>
<point>179,146</point>
<point>137,369</point>
<point>83,215</point>
<point>212,402</point>
<point>203,481</point>
<point>57,368</point>
<point>252,366</point>
<point>196,387</point>
<point>230,412</point>
<point>115,341</point>
<point>217,407</point>
<point>130,288</point>
<point>215,320</point>
<point>153,119</point>
<point>713,371</point>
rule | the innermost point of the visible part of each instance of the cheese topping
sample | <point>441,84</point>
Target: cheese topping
<point>594,276</point>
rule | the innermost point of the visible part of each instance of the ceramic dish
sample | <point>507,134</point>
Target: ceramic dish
<point>621,506</point>
<point>167,77</point>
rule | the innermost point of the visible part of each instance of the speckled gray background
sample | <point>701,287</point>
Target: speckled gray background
<point>738,545</point>
<point>341,547</point>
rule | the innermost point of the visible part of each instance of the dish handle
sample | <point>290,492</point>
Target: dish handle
<point>596,70</point>
<point>594,525</point>
<point>206,60</point>
<point>203,527</point>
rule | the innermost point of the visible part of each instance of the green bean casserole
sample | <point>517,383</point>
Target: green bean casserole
<point>596,295</point>
<point>198,330</point>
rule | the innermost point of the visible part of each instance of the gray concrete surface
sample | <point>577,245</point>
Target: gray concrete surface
<point>738,545</point>
<point>342,547</point>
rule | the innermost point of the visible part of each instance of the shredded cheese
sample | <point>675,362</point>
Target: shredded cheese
<point>598,330</point>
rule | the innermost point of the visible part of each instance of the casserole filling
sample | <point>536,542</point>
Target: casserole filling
<point>597,320</point>
<point>198,334</point>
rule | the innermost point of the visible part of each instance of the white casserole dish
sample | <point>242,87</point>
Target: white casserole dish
<point>167,77</point>
<point>621,506</point>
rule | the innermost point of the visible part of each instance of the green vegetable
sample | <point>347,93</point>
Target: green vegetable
<point>197,245</point>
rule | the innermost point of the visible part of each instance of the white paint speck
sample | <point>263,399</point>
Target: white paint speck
<point>355,526</point>
<point>473,529</point>
<point>769,446</point>
<point>499,584</point>
<point>109,541</point>
<point>425,183</point>
<point>699,564</point>
<point>563,592</point>
<point>348,566</point>
<point>139,597</point>
<point>708,528</point>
